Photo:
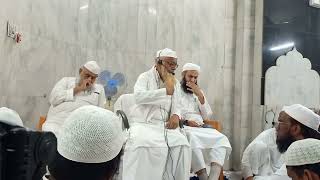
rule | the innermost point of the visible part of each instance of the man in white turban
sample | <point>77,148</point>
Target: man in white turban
<point>303,159</point>
<point>209,147</point>
<point>295,122</point>
<point>10,117</point>
<point>89,146</point>
<point>156,149</point>
<point>261,157</point>
<point>71,93</point>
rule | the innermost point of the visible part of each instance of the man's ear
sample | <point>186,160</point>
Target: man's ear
<point>295,130</point>
<point>307,174</point>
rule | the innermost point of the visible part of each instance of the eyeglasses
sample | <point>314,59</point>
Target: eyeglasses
<point>172,64</point>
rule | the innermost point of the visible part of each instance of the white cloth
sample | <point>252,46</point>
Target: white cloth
<point>148,134</point>
<point>166,52</point>
<point>303,115</point>
<point>93,67</point>
<point>262,156</point>
<point>9,116</point>
<point>280,174</point>
<point>208,145</point>
<point>63,102</point>
<point>302,152</point>
<point>90,135</point>
<point>191,67</point>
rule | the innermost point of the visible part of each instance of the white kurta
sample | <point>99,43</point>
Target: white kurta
<point>208,145</point>
<point>63,102</point>
<point>262,156</point>
<point>280,174</point>
<point>146,154</point>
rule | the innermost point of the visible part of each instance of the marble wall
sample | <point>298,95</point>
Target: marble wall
<point>123,36</point>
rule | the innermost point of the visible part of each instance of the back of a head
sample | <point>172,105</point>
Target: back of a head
<point>11,117</point>
<point>303,155</point>
<point>89,145</point>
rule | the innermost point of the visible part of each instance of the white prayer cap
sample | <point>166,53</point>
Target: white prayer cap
<point>9,116</point>
<point>93,67</point>
<point>191,67</point>
<point>303,115</point>
<point>166,52</point>
<point>90,135</point>
<point>302,152</point>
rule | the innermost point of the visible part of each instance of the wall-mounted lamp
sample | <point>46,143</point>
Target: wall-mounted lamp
<point>282,46</point>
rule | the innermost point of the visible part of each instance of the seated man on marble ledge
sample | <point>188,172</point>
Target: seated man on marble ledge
<point>70,93</point>
<point>209,146</point>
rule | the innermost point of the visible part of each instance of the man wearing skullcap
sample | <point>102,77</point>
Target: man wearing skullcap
<point>71,93</point>
<point>209,146</point>
<point>156,149</point>
<point>89,146</point>
<point>303,159</point>
<point>10,117</point>
<point>295,122</point>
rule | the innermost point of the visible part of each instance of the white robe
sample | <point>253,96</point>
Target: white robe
<point>280,174</point>
<point>208,145</point>
<point>63,102</point>
<point>146,154</point>
<point>262,156</point>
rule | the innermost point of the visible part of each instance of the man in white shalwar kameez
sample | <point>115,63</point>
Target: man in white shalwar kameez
<point>70,93</point>
<point>295,122</point>
<point>209,147</point>
<point>261,157</point>
<point>156,149</point>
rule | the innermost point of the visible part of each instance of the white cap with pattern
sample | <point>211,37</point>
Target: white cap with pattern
<point>191,67</point>
<point>303,115</point>
<point>9,116</point>
<point>166,52</point>
<point>302,152</point>
<point>90,135</point>
<point>93,67</point>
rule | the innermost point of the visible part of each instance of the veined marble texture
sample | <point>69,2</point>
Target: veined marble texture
<point>123,36</point>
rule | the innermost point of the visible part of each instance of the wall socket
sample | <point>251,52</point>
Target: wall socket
<point>11,30</point>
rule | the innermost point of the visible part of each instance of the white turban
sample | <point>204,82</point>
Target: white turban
<point>166,52</point>
<point>303,115</point>
<point>191,67</point>
<point>302,152</point>
<point>92,66</point>
<point>91,135</point>
<point>11,117</point>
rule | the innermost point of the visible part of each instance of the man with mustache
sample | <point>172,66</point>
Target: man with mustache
<point>70,93</point>
<point>295,122</point>
<point>209,147</point>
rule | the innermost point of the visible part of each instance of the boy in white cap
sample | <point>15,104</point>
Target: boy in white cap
<point>156,149</point>
<point>209,146</point>
<point>89,146</point>
<point>11,117</point>
<point>303,159</point>
<point>71,93</point>
<point>295,122</point>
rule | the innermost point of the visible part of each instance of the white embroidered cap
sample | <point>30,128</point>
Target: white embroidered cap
<point>93,67</point>
<point>90,135</point>
<point>302,152</point>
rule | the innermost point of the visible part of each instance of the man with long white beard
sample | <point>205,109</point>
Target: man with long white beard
<point>156,149</point>
<point>209,147</point>
<point>70,93</point>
